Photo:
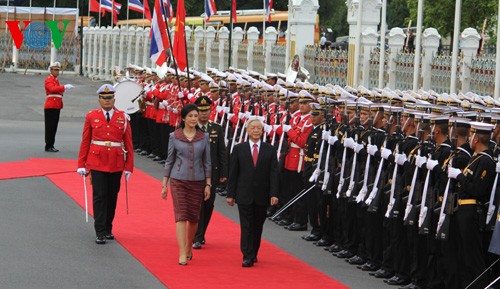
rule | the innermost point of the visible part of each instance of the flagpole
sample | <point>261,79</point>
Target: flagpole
<point>264,31</point>
<point>112,13</point>
<point>54,12</point>
<point>170,44</point>
<point>88,12</point>
<point>128,10</point>
<point>7,18</point>
<point>100,11</point>
<point>230,34</point>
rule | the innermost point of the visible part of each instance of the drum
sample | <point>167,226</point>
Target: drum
<point>127,95</point>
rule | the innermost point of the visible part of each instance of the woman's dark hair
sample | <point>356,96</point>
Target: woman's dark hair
<point>186,110</point>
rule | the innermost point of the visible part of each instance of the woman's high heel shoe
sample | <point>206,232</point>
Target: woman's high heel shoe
<point>189,258</point>
<point>183,263</point>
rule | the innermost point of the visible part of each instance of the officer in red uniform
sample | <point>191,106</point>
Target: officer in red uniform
<point>106,150</point>
<point>53,105</point>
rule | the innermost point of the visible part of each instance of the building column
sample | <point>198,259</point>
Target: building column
<point>430,45</point>
<point>396,43</point>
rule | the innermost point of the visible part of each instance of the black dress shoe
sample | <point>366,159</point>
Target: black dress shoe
<point>296,227</point>
<point>284,222</point>
<point>312,238</point>
<point>323,243</point>
<point>344,254</point>
<point>381,273</point>
<point>356,260</point>
<point>247,263</point>
<point>143,153</point>
<point>410,286</point>
<point>334,248</point>
<point>369,267</point>
<point>138,150</point>
<point>255,260</point>
<point>52,150</point>
<point>151,156</point>
<point>157,159</point>
<point>203,242</point>
<point>277,219</point>
<point>196,245</point>
<point>101,240</point>
<point>162,162</point>
<point>397,281</point>
<point>109,236</point>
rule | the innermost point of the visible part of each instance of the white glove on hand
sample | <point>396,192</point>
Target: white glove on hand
<point>326,134</point>
<point>358,147</point>
<point>165,103</point>
<point>419,161</point>
<point>127,175</point>
<point>219,109</point>
<point>248,114</point>
<point>68,87</point>
<point>241,115</point>
<point>371,149</point>
<point>385,153</point>
<point>225,109</point>
<point>453,172</point>
<point>268,128</point>
<point>190,95</point>
<point>349,143</point>
<point>314,176</point>
<point>81,171</point>
<point>400,159</point>
<point>180,95</point>
<point>147,88</point>
<point>332,140</point>
<point>431,164</point>
<point>275,126</point>
<point>174,110</point>
<point>230,115</point>
<point>286,127</point>
<point>498,167</point>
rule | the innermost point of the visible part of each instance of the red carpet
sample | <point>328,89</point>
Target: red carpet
<point>148,233</point>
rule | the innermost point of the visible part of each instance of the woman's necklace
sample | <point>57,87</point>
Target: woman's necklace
<point>189,136</point>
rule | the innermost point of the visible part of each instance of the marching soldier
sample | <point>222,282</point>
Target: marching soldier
<point>106,150</point>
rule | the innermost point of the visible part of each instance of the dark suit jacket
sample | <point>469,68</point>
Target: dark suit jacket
<point>248,183</point>
<point>218,154</point>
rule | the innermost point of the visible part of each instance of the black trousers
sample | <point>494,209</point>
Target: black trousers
<point>207,208</point>
<point>134,125</point>
<point>252,219</point>
<point>165,130</point>
<point>154,136</point>
<point>105,194</point>
<point>144,139</point>
<point>51,121</point>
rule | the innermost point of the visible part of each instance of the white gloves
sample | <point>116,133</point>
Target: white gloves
<point>180,95</point>
<point>225,109</point>
<point>248,114</point>
<point>431,164</point>
<point>241,115</point>
<point>230,115</point>
<point>219,108</point>
<point>190,95</point>
<point>326,134</point>
<point>268,128</point>
<point>275,126</point>
<point>400,159</point>
<point>68,87</point>
<point>314,175</point>
<point>498,167</point>
<point>286,127</point>
<point>127,175</point>
<point>371,149</point>
<point>385,153</point>
<point>81,171</point>
<point>453,172</point>
<point>332,140</point>
<point>358,147</point>
<point>419,161</point>
<point>349,143</point>
<point>174,110</point>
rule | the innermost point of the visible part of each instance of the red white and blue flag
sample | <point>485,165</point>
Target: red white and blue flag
<point>269,7</point>
<point>136,5</point>
<point>167,7</point>
<point>209,9</point>
<point>107,5</point>
<point>159,40</point>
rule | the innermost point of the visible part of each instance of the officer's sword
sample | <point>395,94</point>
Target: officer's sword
<point>86,202</point>
<point>126,193</point>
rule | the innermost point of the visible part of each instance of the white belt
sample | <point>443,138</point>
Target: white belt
<point>54,95</point>
<point>293,145</point>
<point>107,143</point>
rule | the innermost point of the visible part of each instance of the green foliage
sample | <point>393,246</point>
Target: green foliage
<point>333,14</point>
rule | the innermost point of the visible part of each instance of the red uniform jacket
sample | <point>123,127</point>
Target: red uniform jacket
<point>102,158</point>
<point>54,92</point>
<point>297,139</point>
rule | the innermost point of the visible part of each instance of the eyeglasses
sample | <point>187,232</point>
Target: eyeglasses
<point>107,97</point>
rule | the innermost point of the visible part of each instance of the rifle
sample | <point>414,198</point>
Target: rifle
<point>228,121</point>
<point>443,226</point>
<point>424,218</point>
<point>287,122</point>
<point>353,168</point>
<point>364,189</point>
<point>317,171</point>
<point>410,211</point>
<point>267,119</point>
<point>242,110</point>
<point>326,176</point>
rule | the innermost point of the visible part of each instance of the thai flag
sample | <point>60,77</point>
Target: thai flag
<point>167,7</point>
<point>159,40</point>
<point>107,5</point>
<point>269,7</point>
<point>136,5</point>
<point>209,9</point>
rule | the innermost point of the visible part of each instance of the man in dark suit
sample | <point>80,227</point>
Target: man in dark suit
<point>253,185</point>
<point>218,156</point>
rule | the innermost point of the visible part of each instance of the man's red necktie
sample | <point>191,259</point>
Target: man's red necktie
<point>255,154</point>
